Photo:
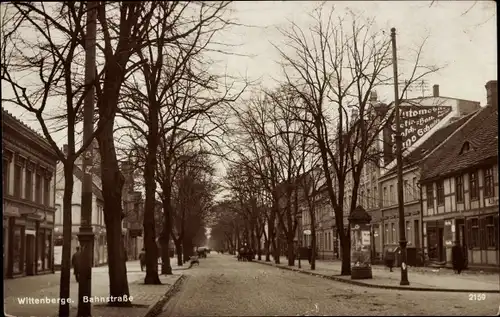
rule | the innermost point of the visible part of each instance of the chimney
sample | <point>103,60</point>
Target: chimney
<point>435,91</point>
<point>491,93</point>
<point>373,96</point>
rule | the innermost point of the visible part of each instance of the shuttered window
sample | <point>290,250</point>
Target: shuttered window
<point>491,232</point>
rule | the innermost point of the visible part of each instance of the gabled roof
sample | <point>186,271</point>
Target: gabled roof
<point>431,143</point>
<point>481,131</point>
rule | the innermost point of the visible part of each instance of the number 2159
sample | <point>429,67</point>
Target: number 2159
<point>477,296</point>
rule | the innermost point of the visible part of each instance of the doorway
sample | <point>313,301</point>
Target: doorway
<point>30,254</point>
<point>460,236</point>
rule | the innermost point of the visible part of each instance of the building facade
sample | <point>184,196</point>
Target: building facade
<point>100,243</point>
<point>28,168</point>
<point>460,190</point>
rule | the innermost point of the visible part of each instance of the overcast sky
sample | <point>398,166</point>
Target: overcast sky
<point>462,35</point>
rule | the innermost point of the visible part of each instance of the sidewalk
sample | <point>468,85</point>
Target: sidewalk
<point>147,300</point>
<point>421,279</point>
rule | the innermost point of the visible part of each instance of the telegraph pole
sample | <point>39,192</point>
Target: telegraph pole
<point>86,234</point>
<point>399,160</point>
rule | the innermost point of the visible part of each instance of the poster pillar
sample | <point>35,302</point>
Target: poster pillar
<point>359,221</point>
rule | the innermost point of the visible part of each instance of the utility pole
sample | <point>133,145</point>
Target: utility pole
<point>86,234</point>
<point>399,160</point>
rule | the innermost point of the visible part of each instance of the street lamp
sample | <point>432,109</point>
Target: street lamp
<point>399,163</point>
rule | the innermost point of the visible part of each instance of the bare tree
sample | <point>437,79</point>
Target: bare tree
<point>43,69</point>
<point>333,68</point>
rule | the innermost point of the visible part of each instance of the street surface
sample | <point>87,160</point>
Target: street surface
<point>222,286</point>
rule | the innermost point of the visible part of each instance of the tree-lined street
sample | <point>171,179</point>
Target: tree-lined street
<point>222,286</point>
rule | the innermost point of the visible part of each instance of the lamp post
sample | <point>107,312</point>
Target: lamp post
<point>399,163</point>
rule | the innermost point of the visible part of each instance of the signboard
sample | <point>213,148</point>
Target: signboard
<point>360,245</point>
<point>416,121</point>
<point>307,232</point>
<point>57,255</point>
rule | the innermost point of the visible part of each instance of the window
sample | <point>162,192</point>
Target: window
<point>440,192</point>
<point>5,172</point>
<point>459,188</point>
<point>430,196</point>
<point>406,191</point>
<point>465,148</point>
<point>391,193</point>
<point>46,191</point>
<point>38,188</point>
<point>415,188</point>
<point>17,180</point>
<point>408,232</point>
<point>362,199</point>
<point>386,233</point>
<point>473,188</point>
<point>393,233</point>
<point>376,196</point>
<point>369,199</point>
<point>384,203</point>
<point>474,233</point>
<point>489,190</point>
<point>28,192</point>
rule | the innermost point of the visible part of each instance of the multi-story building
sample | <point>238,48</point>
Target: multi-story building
<point>100,245</point>
<point>29,165</point>
<point>425,123</point>
<point>460,190</point>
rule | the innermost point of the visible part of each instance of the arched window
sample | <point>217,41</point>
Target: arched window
<point>465,147</point>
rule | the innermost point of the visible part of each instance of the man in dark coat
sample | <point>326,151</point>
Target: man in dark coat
<point>309,254</point>
<point>142,259</point>
<point>457,257</point>
<point>75,262</point>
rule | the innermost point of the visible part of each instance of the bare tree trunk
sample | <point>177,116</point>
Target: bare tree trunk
<point>313,245</point>
<point>149,213</point>
<point>112,184</point>
<point>166,268</point>
<point>345,253</point>
<point>64,283</point>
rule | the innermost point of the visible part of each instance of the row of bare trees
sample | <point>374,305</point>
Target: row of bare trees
<point>310,138</point>
<point>152,78</point>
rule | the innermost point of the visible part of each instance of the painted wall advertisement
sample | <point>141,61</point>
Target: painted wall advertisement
<point>416,121</point>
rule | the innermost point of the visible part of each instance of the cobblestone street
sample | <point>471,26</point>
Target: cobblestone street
<point>222,286</point>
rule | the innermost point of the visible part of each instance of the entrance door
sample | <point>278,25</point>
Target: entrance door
<point>441,249</point>
<point>461,236</point>
<point>30,254</point>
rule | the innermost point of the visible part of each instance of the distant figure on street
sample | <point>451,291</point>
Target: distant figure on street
<point>309,254</point>
<point>457,257</point>
<point>142,259</point>
<point>75,263</point>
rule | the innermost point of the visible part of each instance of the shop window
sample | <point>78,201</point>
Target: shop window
<point>489,190</point>
<point>41,249</point>
<point>393,233</point>
<point>386,233</point>
<point>48,250</point>
<point>430,196</point>
<point>440,192</point>
<point>17,245</point>
<point>473,188</point>
<point>459,188</point>
<point>474,233</point>
<point>408,232</point>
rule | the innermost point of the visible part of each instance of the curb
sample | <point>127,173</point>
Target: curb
<point>418,289</point>
<point>156,308</point>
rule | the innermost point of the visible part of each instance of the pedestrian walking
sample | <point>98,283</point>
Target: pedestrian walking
<point>457,257</point>
<point>142,259</point>
<point>75,262</point>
